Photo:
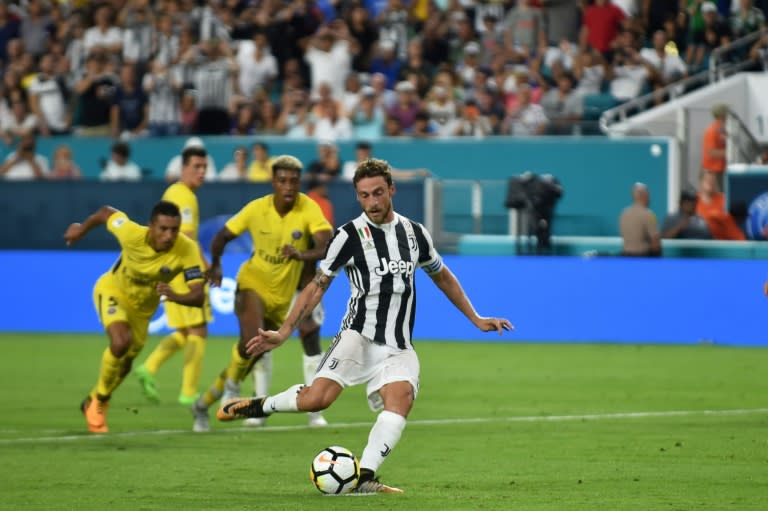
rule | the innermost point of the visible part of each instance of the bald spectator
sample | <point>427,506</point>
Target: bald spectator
<point>638,226</point>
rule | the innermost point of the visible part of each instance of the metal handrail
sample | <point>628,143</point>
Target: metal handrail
<point>714,58</point>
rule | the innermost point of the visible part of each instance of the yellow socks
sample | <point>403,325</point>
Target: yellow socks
<point>193,363</point>
<point>167,347</point>
<point>109,374</point>
<point>214,393</point>
<point>238,366</point>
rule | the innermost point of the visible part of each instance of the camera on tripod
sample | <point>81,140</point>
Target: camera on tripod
<point>534,197</point>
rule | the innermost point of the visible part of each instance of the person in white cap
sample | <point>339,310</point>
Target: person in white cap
<point>173,170</point>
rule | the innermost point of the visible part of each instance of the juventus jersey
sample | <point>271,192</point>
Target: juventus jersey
<point>380,261</point>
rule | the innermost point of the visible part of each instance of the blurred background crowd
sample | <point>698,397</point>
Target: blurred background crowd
<point>346,69</point>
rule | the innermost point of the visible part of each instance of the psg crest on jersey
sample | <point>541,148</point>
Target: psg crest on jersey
<point>296,235</point>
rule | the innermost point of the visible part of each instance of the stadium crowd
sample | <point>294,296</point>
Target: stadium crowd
<point>342,69</point>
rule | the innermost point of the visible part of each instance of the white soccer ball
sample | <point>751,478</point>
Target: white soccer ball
<point>335,470</point>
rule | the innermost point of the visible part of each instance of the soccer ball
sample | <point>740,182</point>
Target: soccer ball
<point>335,470</point>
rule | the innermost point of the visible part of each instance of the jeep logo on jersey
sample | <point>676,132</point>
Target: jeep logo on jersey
<point>394,267</point>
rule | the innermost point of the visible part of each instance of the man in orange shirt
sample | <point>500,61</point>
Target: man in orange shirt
<point>711,207</point>
<point>713,145</point>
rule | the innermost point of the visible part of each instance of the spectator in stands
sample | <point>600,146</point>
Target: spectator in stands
<point>17,121</point>
<point>638,227</point>
<point>629,74</point>
<point>35,29</point>
<point>407,106</point>
<point>384,97</point>
<point>188,112</point>
<point>367,117</point>
<point>443,111</point>
<point>526,118</point>
<point>244,120</point>
<point>415,62</point>
<point>472,123</point>
<point>491,106</point>
<point>711,207</point>
<point>236,170</point>
<point>524,34</point>
<point>139,33</point>
<point>266,118</point>
<point>24,164</point>
<point>470,62</point>
<point>363,37</point>
<point>562,20</point>
<point>713,145</point>
<point>119,167</point>
<point>327,166</point>
<point>713,31</point>
<point>214,84</point>
<point>64,166</point>
<point>9,30</point>
<point>321,105</point>
<point>48,99</point>
<point>95,95</point>
<point>386,62</point>
<point>393,26</point>
<point>163,85</point>
<point>746,19</point>
<point>668,64</point>
<point>129,115</point>
<point>562,106</point>
<point>257,67</point>
<point>685,223</point>
<point>332,126</point>
<point>600,26</point>
<point>657,12</point>
<point>260,169</point>
<point>294,115</point>
<point>173,170</point>
<point>104,35</point>
<point>329,59</point>
<point>423,127</point>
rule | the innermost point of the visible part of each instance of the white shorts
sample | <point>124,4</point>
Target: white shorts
<point>318,313</point>
<point>353,360</point>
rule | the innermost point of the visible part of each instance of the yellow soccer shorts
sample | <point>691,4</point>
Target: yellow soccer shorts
<point>183,316</point>
<point>275,307</point>
<point>111,308</point>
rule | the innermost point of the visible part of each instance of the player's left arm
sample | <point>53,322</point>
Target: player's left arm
<point>447,282</point>
<point>76,231</point>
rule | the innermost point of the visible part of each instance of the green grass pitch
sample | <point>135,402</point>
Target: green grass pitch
<point>495,427</point>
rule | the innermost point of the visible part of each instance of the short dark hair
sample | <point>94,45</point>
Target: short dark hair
<point>121,148</point>
<point>189,152</point>
<point>260,144</point>
<point>164,208</point>
<point>373,167</point>
<point>363,144</point>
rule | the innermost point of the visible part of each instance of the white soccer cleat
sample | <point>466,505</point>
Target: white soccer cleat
<point>231,391</point>
<point>256,422</point>
<point>316,420</point>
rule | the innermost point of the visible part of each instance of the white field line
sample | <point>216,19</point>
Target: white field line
<point>411,423</point>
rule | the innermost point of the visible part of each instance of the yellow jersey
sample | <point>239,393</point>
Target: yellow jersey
<point>260,172</point>
<point>140,268</point>
<point>181,195</point>
<point>272,274</point>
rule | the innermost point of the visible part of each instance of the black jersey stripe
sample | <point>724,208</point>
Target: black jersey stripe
<point>350,246</point>
<point>405,298</point>
<point>386,286</point>
<point>421,241</point>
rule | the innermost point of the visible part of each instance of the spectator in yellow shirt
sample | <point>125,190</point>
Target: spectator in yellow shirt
<point>260,170</point>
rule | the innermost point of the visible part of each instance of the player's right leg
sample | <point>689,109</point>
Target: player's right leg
<point>297,398</point>
<point>249,308</point>
<point>167,347</point>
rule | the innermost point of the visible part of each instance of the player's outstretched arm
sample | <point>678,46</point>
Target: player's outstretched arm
<point>214,273</point>
<point>75,232</point>
<point>307,300</point>
<point>447,282</point>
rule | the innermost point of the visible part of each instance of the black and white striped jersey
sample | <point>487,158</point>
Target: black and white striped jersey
<point>380,261</point>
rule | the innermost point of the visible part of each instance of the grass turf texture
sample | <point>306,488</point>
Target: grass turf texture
<point>496,426</point>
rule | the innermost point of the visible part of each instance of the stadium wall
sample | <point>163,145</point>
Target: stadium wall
<point>596,174</point>
<point>549,299</point>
